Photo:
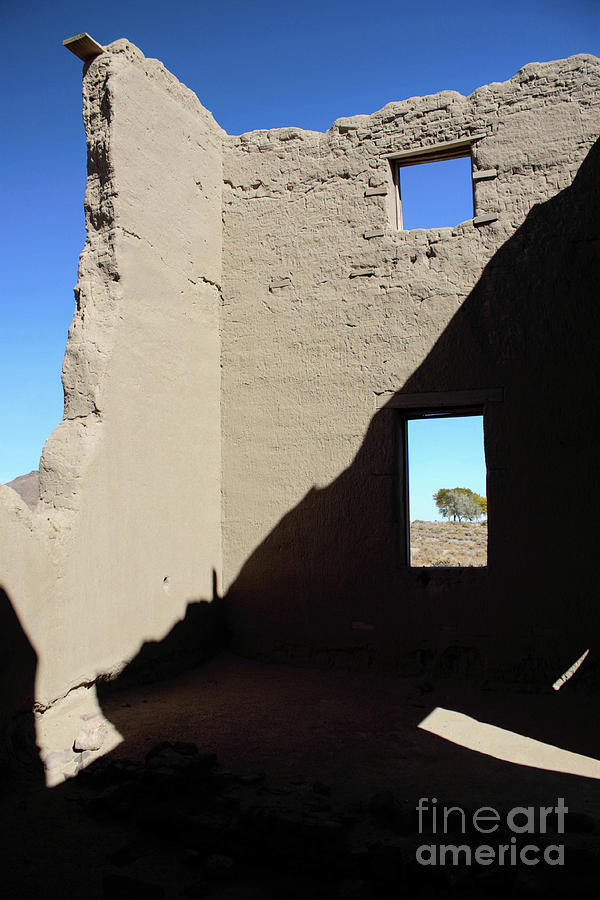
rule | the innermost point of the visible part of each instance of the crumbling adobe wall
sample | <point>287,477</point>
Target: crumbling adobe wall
<point>329,311</point>
<point>133,472</point>
<point>130,480</point>
<point>253,423</point>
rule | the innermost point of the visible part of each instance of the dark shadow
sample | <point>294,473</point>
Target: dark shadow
<point>53,844</point>
<point>191,641</point>
<point>19,757</point>
<point>530,327</point>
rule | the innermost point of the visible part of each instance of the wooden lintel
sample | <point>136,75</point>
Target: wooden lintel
<point>485,220</point>
<point>440,151</point>
<point>439,400</point>
<point>83,46</point>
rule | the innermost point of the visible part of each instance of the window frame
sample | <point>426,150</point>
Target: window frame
<point>425,406</point>
<point>436,153</point>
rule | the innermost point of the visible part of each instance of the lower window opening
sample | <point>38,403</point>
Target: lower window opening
<point>445,490</point>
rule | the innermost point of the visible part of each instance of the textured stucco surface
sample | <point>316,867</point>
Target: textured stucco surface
<point>141,372</point>
<point>130,480</point>
<point>320,319</point>
<point>247,318</point>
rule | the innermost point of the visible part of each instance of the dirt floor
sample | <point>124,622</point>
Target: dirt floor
<point>319,774</point>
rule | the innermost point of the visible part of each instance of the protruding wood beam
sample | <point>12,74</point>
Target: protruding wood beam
<point>83,46</point>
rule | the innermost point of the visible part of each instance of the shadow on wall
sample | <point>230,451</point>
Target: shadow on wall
<point>193,640</point>
<point>18,664</point>
<point>199,635</point>
<point>530,326</point>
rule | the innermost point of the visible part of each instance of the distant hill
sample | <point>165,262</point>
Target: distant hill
<point>28,487</point>
<point>448,543</point>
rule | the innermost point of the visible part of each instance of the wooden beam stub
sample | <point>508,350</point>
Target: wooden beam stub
<point>83,46</point>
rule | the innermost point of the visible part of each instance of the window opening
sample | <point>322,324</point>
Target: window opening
<point>441,458</point>
<point>434,193</point>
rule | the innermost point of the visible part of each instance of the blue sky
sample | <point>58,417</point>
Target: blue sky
<point>254,65</point>
<point>443,453</point>
<point>436,194</point>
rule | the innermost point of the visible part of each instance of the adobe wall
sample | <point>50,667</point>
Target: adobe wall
<point>230,393</point>
<point>129,517</point>
<point>141,499</point>
<point>330,312</point>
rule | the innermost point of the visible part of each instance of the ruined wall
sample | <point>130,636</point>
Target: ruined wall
<point>254,423</point>
<point>140,497</point>
<point>330,311</point>
<point>130,480</point>
<point>27,582</point>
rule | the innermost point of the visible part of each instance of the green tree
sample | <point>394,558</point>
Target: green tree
<point>460,503</point>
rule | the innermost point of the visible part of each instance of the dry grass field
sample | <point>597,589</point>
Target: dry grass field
<point>448,543</point>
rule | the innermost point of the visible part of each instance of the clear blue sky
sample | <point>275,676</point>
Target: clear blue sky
<point>254,65</point>
<point>443,453</point>
<point>436,194</point>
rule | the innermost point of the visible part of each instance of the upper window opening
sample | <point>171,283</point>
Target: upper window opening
<point>434,192</point>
